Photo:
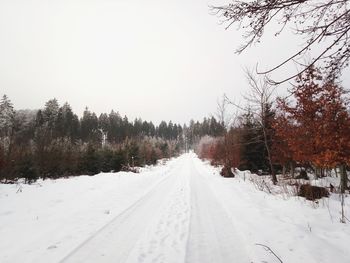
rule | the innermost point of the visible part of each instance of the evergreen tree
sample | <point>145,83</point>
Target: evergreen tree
<point>253,149</point>
<point>90,163</point>
<point>7,116</point>
<point>89,127</point>
<point>50,114</point>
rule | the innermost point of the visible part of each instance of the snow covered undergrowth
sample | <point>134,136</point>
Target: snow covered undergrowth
<point>44,221</point>
<point>296,230</point>
<point>287,186</point>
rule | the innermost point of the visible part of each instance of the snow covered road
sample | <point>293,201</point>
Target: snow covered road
<point>180,212</point>
<point>176,221</point>
<point>124,237</point>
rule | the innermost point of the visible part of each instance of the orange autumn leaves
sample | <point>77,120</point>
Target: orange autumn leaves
<point>314,127</point>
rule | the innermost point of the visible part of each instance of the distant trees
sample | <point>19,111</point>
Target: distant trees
<point>211,148</point>
<point>196,130</point>
<point>53,142</point>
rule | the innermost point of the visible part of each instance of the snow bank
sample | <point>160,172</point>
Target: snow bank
<point>297,230</point>
<point>44,221</point>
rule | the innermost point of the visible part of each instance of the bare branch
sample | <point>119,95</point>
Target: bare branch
<point>318,21</point>
<point>269,250</point>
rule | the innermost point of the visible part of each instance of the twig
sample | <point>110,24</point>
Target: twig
<point>347,218</point>
<point>265,184</point>
<point>309,227</point>
<point>269,250</point>
<point>19,190</point>
<point>329,211</point>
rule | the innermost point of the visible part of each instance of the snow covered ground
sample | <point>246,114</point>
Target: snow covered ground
<point>182,211</point>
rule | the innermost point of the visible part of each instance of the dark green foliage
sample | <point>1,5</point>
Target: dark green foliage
<point>165,150</point>
<point>117,161</point>
<point>90,161</point>
<point>254,156</point>
<point>110,160</point>
<point>153,158</point>
<point>27,169</point>
<point>89,127</point>
<point>106,157</point>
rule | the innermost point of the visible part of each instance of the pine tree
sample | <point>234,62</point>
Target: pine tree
<point>50,113</point>
<point>7,115</point>
<point>7,123</point>
<point>89,127</point>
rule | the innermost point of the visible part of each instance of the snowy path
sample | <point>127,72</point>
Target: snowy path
<point>213,237</point>
<point>179,220</point>
<point>180,212</point>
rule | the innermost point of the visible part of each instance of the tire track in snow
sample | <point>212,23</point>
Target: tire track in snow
<point>165,240</point>
<point>115,239</point>
<point>212,237</point>
<point>179,220</point>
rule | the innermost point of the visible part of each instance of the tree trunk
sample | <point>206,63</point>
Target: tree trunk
<point>323,172</point>
<point>273,175</point>
<point>343,178</point>
<point>317,172</point>
<point>292,169</point>
<point>226,151</point>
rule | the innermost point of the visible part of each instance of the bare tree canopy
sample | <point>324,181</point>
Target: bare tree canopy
<point>316,20</point>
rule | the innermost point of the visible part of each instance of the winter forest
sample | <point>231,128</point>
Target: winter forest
<point>309,131</point>
<point>53,142</point>
<point>211,133</point>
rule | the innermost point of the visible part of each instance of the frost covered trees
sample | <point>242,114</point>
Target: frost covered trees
<point>7,121</point>
<point>53,142</point>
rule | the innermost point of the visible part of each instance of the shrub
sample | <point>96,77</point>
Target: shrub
<point>311,192</point>
<point>227,172</point>
<point>27,169</point>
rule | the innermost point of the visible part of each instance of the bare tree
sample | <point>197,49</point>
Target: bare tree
<point>221,112</point>
<point>317,20</point>
<point>227,121</point>
<point>259,99</point>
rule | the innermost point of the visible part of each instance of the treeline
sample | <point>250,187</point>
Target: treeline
<point>54,142</point>
<point>309,129</point>
<point>196,130</point>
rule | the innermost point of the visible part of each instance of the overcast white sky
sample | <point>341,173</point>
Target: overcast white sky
<point>154,59</point>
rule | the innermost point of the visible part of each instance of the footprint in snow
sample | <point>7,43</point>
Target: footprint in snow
<point>52,247</point>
